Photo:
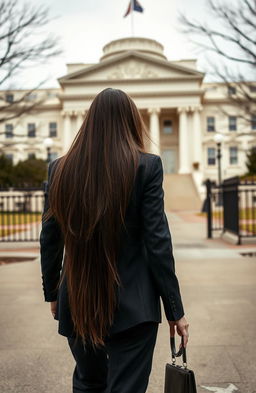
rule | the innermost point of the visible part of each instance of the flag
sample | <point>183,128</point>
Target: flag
<point>134,5</point>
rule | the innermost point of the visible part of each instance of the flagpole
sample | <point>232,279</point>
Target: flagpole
<point>132,21</point>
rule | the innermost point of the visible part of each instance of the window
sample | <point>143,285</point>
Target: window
<point>9,156</point>
<point>8,130</point>
<point>212,88</point>
<point>252,88</point>
<point>233,155</point>
<point>169,160</point>
<point>52,129</point>
<point>167,127</point>
<point>232,123</point>
<point>210,123</point>
<point>31,130</point>
<point>253,122</point>
<point>51,94</point>
<point>30,97</point>
<point>31,156</point>
<point>211,156</point>
<point>231,90</point>
<point>9,98</point>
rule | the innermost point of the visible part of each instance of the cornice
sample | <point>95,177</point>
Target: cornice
<point>129,80</point>
<point>72,113</point>
<point>224,100</point>
<point>158,94</point>
<point>37,108</point>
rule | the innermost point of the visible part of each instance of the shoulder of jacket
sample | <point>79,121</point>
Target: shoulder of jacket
<point>150,157</point>
<point>53,163</point>
<point>51,168</point>
<point>150,160</point>
<point>149,164</point>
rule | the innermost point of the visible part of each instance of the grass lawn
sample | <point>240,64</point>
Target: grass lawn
<point>248,213</point>
<point>9,232</point>
<point>245,215</point>
<point>19,218</point>
<point>248,227</point>
<point>10,219</point>
<point>216,214</point>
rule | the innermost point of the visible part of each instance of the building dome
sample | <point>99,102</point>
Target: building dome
<point>143,45</point>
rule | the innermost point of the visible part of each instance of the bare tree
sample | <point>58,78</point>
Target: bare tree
<point>22,45</point>
<point>229,33</point>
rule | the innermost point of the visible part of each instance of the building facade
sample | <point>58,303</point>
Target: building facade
<point>181,112</point>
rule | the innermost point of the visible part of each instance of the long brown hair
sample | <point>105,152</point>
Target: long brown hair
<point>89,194</point>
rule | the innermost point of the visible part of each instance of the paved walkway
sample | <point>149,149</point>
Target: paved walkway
<point>218,290</point>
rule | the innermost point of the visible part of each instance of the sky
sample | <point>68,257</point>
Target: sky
<point>85,26</point>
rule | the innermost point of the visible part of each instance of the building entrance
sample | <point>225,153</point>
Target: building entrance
<point>169,158</point>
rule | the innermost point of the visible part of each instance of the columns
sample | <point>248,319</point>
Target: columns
<point>197,135</point>
<point>79,120</point>
<point>72,121</point>
<point>184,166</point>
<point>154,130</point>
<point>67,131</point>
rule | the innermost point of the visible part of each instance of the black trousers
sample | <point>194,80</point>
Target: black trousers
<point>122,366</point>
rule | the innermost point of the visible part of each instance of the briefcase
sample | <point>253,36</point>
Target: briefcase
<point>179,379</point>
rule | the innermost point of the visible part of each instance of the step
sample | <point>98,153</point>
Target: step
<point>180,192</point>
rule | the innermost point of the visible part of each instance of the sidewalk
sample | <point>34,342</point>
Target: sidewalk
<point>218,290</point>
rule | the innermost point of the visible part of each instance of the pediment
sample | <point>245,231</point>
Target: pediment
<point>131,65</point>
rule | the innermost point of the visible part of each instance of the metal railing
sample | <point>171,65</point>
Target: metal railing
<point>21,213</point>
<point>231,207</point>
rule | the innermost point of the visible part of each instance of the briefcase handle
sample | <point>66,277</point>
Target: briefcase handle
<point>182,351</point>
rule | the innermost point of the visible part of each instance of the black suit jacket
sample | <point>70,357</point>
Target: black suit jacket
<point>146,265</point>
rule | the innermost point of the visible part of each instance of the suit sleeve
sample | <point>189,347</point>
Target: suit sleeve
<point>158,242</point>
<point>51,249</point>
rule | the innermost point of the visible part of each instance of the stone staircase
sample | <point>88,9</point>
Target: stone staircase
<point>180,193</point>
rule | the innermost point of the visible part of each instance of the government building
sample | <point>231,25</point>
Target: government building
<point>181,111</point>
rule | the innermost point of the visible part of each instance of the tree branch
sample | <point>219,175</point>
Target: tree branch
<point>237,31</point>
<point>17,51</point>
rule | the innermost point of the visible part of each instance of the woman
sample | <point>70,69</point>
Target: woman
<point>104,205</point>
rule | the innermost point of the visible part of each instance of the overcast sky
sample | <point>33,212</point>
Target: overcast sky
<point>85,26</point>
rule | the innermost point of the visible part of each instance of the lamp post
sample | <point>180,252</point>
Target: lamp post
<point>219,138</point>
<point>48,142</point>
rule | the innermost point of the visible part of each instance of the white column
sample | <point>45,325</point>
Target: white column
<point>154,130</point>
<point>79,120</point>
<point>183,141</point>
<point>67,131</point>
<point>197,136</point>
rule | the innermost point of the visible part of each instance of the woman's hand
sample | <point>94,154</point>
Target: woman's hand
<point>53,308</point>
<point>182,329</point>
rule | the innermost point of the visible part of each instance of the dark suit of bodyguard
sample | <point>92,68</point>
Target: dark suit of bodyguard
<point>146,265</point>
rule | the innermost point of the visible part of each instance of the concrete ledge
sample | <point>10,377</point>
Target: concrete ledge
<point>233,239</point>
<point>19,245</point>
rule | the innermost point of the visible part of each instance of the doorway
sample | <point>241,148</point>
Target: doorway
<point>169,158</point>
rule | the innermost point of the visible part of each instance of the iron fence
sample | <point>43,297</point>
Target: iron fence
<point>231,207</point>
<point>21,213</point>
